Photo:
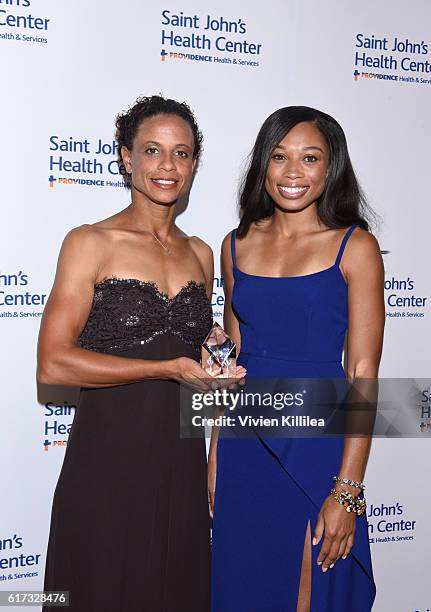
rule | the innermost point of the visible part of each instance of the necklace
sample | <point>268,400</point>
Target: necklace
<point>164,246</point>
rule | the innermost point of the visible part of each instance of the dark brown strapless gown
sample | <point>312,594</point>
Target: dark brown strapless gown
<point>130,525</point>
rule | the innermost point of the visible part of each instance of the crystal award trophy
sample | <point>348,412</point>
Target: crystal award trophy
<point>219,353</point>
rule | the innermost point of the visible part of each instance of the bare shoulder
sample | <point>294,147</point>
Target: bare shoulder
<point>225,245</point>
<point>81,251</point>
<point>362,257</point>
<point>201,248</point>
<point>245,242</point>
<point>362,244</point>
<point>85,236</point>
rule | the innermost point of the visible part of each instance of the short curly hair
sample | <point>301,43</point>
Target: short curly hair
<point>127,125</point>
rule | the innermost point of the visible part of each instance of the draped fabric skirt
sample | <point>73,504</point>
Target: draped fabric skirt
<point>267,491</point>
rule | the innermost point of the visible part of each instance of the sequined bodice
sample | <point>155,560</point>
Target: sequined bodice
<point>130,312</point>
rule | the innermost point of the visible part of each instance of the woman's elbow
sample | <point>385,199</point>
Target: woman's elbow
<point>46,372</point>
<point>367,368</point>
<point>49,370</point>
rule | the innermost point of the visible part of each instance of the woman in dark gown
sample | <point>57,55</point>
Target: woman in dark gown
<point>127,315</point>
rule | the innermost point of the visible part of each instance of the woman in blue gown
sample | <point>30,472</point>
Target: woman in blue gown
<point>303,279</point>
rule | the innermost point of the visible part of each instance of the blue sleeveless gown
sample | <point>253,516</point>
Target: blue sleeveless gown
<point>268,489</point>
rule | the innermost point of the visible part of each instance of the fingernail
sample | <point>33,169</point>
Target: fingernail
<point>324,569</point>
<point>319,563</point>
<point>331,566</point>
<point>344,557</point>
<point>314,542</point>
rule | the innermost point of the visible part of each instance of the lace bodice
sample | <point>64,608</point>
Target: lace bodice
<point>129,312</point>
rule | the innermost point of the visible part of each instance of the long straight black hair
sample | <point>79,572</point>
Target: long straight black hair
<point>342,202</point>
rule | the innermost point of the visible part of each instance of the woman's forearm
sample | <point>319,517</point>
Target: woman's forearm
<point>79,367</point>
<point>355,457</point>
<point>361,405</point>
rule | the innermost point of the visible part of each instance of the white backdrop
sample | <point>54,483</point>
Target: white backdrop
<point>70,67</point>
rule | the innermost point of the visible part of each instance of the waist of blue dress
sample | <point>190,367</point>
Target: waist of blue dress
<point>270,354</point>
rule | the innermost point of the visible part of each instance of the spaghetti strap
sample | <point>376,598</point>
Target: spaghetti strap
<point>343,243</point>
<point>232,247</point>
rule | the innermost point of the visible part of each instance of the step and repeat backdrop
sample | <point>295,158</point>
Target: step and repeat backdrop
<point>69,67</point>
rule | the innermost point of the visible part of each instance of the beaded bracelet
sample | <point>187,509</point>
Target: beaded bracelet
<point>350,502</point>
<point>352,483</point>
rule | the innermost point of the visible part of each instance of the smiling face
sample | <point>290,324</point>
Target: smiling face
<point>161,161</point>
<point>298,167</point>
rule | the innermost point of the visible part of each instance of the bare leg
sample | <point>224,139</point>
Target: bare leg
<point>304,595</point>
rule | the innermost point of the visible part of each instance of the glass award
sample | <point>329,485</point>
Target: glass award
<point>219,353</point>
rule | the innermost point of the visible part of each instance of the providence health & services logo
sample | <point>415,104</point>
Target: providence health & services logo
<point>74,161</point>
<point>208,38</point>
<point>57,424</point>
<point>391,58</point>
<point>19,23</point>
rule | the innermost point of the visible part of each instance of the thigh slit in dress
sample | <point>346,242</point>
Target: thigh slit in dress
<point>269,488</point>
